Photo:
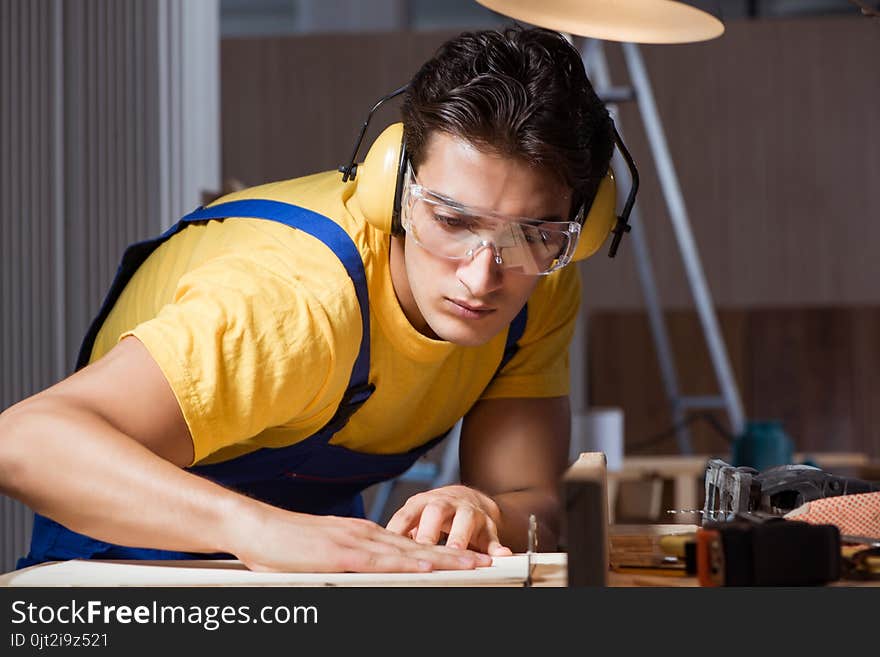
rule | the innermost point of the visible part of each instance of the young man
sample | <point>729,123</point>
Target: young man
<point>262,363</point>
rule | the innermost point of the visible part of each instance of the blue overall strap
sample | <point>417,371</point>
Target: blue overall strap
<point>132,259</point>
<point>338,241</point>
<point>514,333</point>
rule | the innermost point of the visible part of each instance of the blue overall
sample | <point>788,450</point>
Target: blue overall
<point>311,476</point>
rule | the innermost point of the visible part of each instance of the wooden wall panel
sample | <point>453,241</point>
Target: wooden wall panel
<point>817,370</point>
<point>865,367</point>
<point>772,129</point>
<point>294,105</point>
<point>623,371</point>
<point>801,373</point>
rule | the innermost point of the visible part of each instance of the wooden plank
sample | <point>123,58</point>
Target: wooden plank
<point>504,571</point>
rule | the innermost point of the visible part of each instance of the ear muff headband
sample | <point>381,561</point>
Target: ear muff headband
<point>380,185</point>
<point>622,224</point>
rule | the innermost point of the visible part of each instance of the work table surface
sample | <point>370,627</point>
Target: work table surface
<point>630,545</point>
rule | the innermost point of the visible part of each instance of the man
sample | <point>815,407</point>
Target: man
<point>259,365</point>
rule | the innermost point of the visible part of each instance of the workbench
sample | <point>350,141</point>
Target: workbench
<point>629,544</point>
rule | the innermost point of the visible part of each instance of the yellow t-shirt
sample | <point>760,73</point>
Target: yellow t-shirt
<point>256,326</point>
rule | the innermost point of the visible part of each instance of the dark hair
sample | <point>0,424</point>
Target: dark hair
<point>521,92</point>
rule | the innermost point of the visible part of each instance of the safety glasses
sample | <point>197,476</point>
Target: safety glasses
<point>454,231</point>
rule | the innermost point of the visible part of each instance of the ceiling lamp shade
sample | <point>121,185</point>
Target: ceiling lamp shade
<point>634,21</point>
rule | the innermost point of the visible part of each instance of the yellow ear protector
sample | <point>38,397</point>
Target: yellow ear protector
<point>380,185</point>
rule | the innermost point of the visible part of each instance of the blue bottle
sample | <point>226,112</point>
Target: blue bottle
<point>763,445</point>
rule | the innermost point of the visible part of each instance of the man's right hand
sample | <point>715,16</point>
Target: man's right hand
<point>296,542</point>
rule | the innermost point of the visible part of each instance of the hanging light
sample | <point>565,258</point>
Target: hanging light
<point>634,21</point>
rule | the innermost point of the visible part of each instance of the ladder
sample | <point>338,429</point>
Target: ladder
<point>596,65</point>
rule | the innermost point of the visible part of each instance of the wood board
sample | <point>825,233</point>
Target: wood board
<point>504,571</point>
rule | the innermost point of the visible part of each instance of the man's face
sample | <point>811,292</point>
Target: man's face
<point>469,301</point>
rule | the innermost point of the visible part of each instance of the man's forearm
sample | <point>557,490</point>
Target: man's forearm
<point>72,466</point>
<point>515,507</point>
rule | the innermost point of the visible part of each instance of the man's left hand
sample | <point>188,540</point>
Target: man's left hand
<point>466,516</point>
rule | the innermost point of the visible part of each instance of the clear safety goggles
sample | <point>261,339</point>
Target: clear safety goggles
<point>451,230</point>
